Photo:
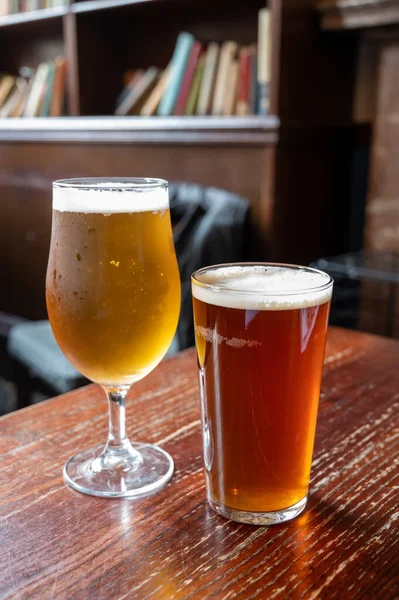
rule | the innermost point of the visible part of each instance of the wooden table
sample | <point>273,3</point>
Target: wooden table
<point>57,543</point>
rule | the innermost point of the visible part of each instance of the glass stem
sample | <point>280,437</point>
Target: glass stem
<point>118,446</point>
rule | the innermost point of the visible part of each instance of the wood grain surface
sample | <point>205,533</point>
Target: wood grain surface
<point>57,543</point>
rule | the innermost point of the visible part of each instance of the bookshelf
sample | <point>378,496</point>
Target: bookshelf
<point>105,37</point>
<point>292,165</point>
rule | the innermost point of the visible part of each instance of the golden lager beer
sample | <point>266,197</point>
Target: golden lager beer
<point>260,336</point>
<point>113,287</point>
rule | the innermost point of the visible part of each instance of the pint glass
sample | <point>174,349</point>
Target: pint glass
<point>260,335</point>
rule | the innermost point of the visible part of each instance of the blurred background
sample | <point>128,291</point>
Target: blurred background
<point>277,124</point>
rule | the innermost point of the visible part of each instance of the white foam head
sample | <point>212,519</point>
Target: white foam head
<point>262,287</point>
<point>110,197</point>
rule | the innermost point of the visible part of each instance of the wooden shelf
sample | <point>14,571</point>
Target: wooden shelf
<point>96,5</point>
<point>86,6</point>
<point>250,131</point>
<point>34,16</point>
<point>352,14</point>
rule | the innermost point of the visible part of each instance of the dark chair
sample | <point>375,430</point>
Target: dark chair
<point>33,361</point>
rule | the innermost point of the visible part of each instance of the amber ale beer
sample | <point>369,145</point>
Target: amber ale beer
<point>113,287</point>
<point>260,335</point>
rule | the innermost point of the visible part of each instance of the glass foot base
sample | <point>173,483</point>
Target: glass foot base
<point>259,518</point>
<point>91,472</point>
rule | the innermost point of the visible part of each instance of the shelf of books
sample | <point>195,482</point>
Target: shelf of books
<point>208,82</point>
<point>218,79</point>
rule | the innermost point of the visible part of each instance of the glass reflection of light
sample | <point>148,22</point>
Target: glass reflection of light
<point>308,320</point>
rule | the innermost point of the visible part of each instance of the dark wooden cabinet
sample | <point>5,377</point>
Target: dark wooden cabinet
<point>377,23</point>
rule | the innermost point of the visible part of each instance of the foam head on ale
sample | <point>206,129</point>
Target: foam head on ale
<point>113,288</point>
<point>260,336</point>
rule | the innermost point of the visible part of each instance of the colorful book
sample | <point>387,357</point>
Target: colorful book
<point>138,93</point>
<point>195,88</point>
<point>208,79</point>
<point>136,76</point>
<point>6,86</point>
<point>38,87</point>
<point>253,81</point>
<point>264,50</point>
<point>227,53</point>
<point>150,106</point>
<point>151,84</point>
<point>31,5</point>
<point>14,98</point>
<point>58,95</point>
<point>243,103</point>
<point>182,98</point>
<point>230,99</point>
<point>178,65</point>
<point>13,7</point>
<point>19,109</point>
<point>45,109</point>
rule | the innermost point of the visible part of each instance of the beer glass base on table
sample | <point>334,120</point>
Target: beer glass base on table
<point>259,518</point>
<point>138,473</point>
<point>113,299</point>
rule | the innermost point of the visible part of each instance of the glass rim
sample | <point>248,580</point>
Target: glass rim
<point>121,183</point>
<point>252,292</point>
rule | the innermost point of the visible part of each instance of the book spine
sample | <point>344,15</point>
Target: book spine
<point>263,61</point>
<point>134,80</point>
<point>208,80</point>
<point>187,78</point>
<point>152,103</point>
<point>19,110</point>
<point>195,88</point>
<point>38,87</point>
<point>13,6</point>
<point>45,112</point>
<point>243,83</point>
<point>57,98</point>
<point>144,89</point>
<point>227,52</point>
<point>253,87</point>
<point>179,61</point>
<point>229,105</point>
<point>7,83</point>
<point>4,8</point>
<point>136,92</point>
